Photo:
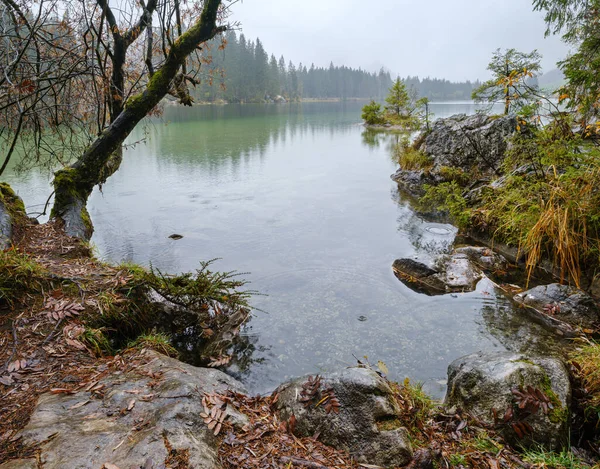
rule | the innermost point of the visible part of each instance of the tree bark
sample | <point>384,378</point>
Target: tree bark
<point>73,185</point>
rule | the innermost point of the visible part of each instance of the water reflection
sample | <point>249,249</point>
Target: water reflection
<point>300,197</point>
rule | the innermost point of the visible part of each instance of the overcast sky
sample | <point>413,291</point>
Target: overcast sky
<point>452,39</point>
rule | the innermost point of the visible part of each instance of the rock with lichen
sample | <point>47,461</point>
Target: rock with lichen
<point>139,419</point>
<point>363,418</point>
<point>526,398</point>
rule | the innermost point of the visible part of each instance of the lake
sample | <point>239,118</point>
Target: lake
<point>299,196</point>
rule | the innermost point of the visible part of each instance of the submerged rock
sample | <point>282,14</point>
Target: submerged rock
<point>366,423</point>
<point>484,257</point>
<point>140,413</point>
<point>563,302</point>
<point>12,210</point>
<point>459,271</point>
<point>493,384</point>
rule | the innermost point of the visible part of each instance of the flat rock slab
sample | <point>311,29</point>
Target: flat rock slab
<point>484,384</point>
<point>563,302</point>
<point>142,412</point>
<point>366,403</point>
<point>452,273</point>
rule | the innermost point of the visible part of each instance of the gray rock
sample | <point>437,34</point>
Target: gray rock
<point>418,277</point>
<point>476,144</point>
<point>453,273</point>
<point>566,303</point>
<point>480,384</point>
<point>366,425</point>
<point>467,142</point>
<point>90,432</point>
<point>484,257</point>
<point>412,182</point>
<point>458,273</point>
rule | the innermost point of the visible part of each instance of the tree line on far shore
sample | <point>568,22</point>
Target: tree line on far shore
<point>241,70</point>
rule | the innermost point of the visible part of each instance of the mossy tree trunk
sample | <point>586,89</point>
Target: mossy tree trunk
<point>73,185</point>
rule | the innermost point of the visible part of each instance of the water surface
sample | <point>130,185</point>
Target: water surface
<point>301,197</point>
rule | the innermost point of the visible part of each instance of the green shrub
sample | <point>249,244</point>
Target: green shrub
<point>410,159</point>
<point>447,196</point>
<point>372,114</point>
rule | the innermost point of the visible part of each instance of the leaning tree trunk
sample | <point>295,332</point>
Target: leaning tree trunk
<point>73,185</point>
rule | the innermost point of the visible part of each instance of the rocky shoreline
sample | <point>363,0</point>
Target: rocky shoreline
<point>145,410</point>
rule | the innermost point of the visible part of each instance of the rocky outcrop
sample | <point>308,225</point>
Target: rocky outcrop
<point>12,210</point>
<point>564,303</point>
<point>474,145</point>
<point>459,271</point>
<point>526,398</point>
<point>467,142</point>
<point>365,423</point>
<point>139,415</point>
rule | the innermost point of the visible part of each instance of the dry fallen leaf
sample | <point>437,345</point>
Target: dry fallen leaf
<point>131,404</point>
<point>108,465</point>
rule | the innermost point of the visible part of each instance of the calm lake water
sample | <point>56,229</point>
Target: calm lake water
<point>301,197</point>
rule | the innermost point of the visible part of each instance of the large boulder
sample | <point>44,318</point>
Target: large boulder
<point>366,421</point>
<point>563,302</point>
<point>140,414</point>
<point>12,210</point>
<point>492,387</point>
<point>467,142</point>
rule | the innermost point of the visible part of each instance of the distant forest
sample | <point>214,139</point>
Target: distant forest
<point>246,73</point>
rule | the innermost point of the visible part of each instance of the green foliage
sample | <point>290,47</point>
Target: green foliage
<point>157,341</point>
<point>411,159</point>
<point>552,214</point>
<point>401,106</point>
<point>447,196</point>
<point>450,174</point>
<point>97,341</point>
<point>587,359</point>
<point>196,291</point>
<point>424,113</point>
<point>397,99</point>
<point>19,274</point>
<point>578,20</point>
<point>482,442</point>
<point>511,71</point>
<point>551,460</point>
<point>457,460</point>
<point>372,114</point>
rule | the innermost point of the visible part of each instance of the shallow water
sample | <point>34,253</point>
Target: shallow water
<point>300,196</point>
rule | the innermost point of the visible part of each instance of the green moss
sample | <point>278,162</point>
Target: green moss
<point>388,424</point>
<point>559,413</point>
<point>66,188</point>
<point>19,274</point>
<point>154,341</point>
<point>87,221</point>
<point>13,203</point>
